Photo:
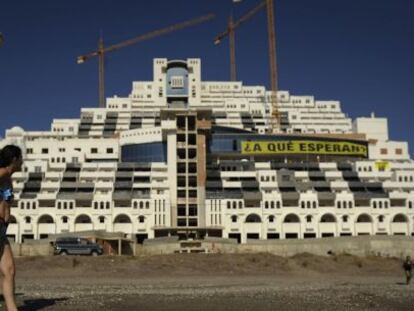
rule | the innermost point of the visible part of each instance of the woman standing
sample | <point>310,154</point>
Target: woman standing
<point>10,161</point>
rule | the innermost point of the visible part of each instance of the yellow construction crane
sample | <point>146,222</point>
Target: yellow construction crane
<point>230,32</point>
<point>275,117</point>
<point>100,53</point>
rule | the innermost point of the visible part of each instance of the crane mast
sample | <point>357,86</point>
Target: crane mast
<point>100,53</point>
<point>271,33</point>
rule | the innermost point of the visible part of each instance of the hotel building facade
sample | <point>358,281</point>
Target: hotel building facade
<point>181,156</point>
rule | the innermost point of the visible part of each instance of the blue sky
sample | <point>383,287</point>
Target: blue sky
<point>357,51</point>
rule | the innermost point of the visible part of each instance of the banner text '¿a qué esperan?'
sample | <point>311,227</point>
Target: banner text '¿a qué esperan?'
<point>305,147</point>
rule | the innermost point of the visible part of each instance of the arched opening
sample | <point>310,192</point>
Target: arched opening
<point>364,218</point>
<point>122,219</point>
<point>45,219</point>
<point>83,219</point>
<point>253,218</point>
<point>292,218</point>
<point>328,218</point>
<point>46,226</point>
<point>12,220</point>
<point>400,218</point>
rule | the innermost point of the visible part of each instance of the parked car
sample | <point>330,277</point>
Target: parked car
<point>76,246</point>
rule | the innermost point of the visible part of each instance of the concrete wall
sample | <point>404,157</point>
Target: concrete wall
<point>29,249</point>
<point>394,246</point>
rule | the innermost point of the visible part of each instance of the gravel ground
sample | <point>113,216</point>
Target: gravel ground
<point>254,282</point>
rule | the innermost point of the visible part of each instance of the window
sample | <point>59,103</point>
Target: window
<point>398,151</point>
<point>271,218</point>
<point>141,219</point>
<point>101,219</point>
<point>109,150</point>
<point>27,219</point>
<point>65,219</point>
<point>29,150</point>
<point>383,151</point>
<point>94,150</point>
<point>345,218</point>
<point>234,218</point>
<point>45,151</point>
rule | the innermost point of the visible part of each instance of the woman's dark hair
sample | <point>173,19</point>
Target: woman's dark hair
<point>8,153</point>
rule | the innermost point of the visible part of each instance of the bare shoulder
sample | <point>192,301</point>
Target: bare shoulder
<point>3,173</point>
<point>5,180</point>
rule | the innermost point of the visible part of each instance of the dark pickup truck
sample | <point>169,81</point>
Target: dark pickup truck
<point>76,246</point>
